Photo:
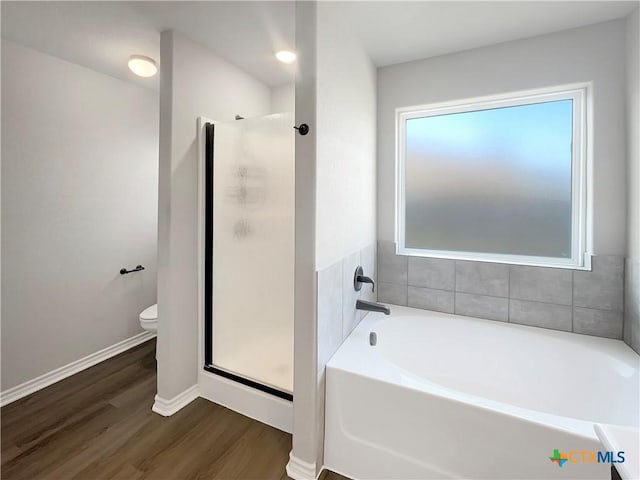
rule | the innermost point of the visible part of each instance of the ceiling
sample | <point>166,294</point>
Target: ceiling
<point>398,31</point>
<point>102,34</point>
<point>246,33</point>
<point>97,35</point>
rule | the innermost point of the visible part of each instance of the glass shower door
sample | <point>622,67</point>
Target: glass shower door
<point>253,250</point>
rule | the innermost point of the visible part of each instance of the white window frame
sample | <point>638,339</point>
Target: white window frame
<point>581,205</point>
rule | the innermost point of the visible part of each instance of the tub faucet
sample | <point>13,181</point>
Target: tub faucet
<point>372,307</point>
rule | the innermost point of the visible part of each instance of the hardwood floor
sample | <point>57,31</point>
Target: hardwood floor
<point>98,424</point>
<point>329,475</point>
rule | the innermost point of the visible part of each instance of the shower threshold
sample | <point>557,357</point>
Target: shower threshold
<point>249,383</point>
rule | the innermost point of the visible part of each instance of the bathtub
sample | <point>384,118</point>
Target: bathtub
<point>445,396</point>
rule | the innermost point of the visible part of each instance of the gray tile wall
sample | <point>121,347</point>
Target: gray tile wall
<point>336,312</point>
<point>571,300</point>
<point>632,304</point>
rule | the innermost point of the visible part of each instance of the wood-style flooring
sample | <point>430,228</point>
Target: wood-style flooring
<point>98,424</point>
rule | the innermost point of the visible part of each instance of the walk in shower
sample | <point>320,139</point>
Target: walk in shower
<point>249,251</point>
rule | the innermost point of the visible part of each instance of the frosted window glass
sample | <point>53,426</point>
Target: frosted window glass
<point>491,181</point>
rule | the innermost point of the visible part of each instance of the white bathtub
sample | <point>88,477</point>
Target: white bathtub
<point>444,396</point>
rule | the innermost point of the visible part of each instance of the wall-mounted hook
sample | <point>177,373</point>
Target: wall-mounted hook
<point>303,129</point>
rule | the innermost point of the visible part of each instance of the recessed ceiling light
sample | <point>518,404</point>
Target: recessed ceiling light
<point>286,56</point>
<point>142,66</point>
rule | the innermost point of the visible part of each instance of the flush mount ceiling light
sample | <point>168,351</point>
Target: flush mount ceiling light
<point>142,66</point>
<point>286,56</point>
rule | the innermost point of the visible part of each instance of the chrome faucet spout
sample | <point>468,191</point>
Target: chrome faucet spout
<point>372,307</point>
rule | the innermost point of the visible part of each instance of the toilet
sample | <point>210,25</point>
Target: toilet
<point>149,318</point>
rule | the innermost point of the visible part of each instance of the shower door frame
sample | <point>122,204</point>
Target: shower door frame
<point>209,156</point>
<point>248,397</point>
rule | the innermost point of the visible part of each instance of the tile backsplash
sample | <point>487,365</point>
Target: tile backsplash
<point>571,300</point>
<point>632,304</point>
<point>337,315</point>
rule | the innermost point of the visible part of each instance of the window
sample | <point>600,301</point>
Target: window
<point>495,179</point>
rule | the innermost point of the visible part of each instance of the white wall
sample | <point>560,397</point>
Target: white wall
<point>283,98</point>
<point>345,179</point>
<point>305,401</point>
<point>79,202</point>
<point>193,83</point>
<point>335,178</point>
<point>633,137</point>
<point>632,270</point>
<point>346,141</point>
<point>594,53</point>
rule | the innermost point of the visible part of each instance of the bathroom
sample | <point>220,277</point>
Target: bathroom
<point>514,325</point>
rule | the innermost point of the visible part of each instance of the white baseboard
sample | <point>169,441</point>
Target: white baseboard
<point>301,470</point>
<point>166,408</point>
<point>38,383</point>
<point>248,401</point>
